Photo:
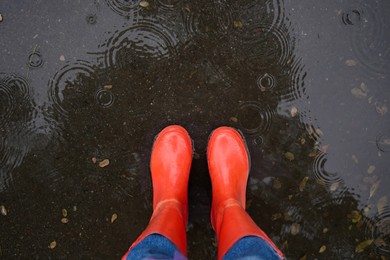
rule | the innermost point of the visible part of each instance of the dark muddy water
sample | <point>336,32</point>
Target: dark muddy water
<point>84,81</point>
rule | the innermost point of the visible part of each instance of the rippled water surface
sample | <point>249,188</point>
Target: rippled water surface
<point>307,82</point>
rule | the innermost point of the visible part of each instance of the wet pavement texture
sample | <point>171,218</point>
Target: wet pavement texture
<point>307,82</point>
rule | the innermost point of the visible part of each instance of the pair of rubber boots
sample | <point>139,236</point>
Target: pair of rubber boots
<point>228,163</point>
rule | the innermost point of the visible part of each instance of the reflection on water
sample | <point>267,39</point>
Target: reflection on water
<point>317,183</point>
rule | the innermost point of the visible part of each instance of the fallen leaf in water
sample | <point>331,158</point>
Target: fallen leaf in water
<point>53,244</point>
<point>379,242</point>
<point>3,210</point>
<point>276,216</point>
<point>322,249</point>
<point>144,4</point>
<point>382,109</point>
<point>370,99</point>
<point>355,216</point>
<point>350,62</point>
<point>319,132</point>
<point>293,111</point>
<point>374,188</point>
<point>303,257</point>
<point>313,154</point>
<point>114,217</point>
<point>104,163</point>
<point>94,160</point>
<point>355,159</point>
<point>371,169</point>
<point>324,148</point>
<point>295,229</point>
<point>302,185</point>
<point>62,58</point>
<point>358,93</point>
<point>234,119</point>
<point>367,210</point>
<point>325,230</point>
<point>284,245</point>
<point>107,87</point>
<point>381,204</point>
<point>289,156</point>
<point>64,213</point>
<point>334,186</point>
<point>303,141</point>
<point>196,156</point>
<point>276,184</point>
<point>363,245</point>
<point>237,24</point>
<point>310,131</point>
<point>64,220</point>
<point>1,18</point>
<point>74,208</point>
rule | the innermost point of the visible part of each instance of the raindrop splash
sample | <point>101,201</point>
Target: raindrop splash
<point>123,7</point>
<point>147,39</point>
<point>370,41</point>
<point>254,118</point>
<point>104,98</point>
<point>320,173</point>
<point>60,83</point>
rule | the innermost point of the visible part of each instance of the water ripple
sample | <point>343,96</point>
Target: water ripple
<point>17,110</point>
<point>378,229</point>
<point>263,46</point>
<point>144,40</point>
<point>104,98</point>
<point>66,75</point>
<point>210,18</point>
<point>370,41</point>
<point>123,7</point>
<point>320,173</point>
<point>383,142</point>
<point>254,118</point>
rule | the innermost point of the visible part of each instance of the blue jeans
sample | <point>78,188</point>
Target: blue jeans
<point>159,247</point>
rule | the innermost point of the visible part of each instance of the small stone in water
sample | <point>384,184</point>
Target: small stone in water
<point>62,58</point>
<point>64,220</point>
<point>104,163</point>
<point>94,159</point>
<point>144,4</point>
<point>3,210</point>
<point>371,169</point>
<point>53,244</point>
<point>64,213</point>
<point>114,217</point>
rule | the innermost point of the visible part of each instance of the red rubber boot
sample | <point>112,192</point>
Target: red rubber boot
<point>228,162</point>
<point>170,168</point>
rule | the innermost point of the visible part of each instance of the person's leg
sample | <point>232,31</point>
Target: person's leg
<point>251,247</point>
<point>170,168</point>
<point>155,246</point>
<point>228,162</point>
